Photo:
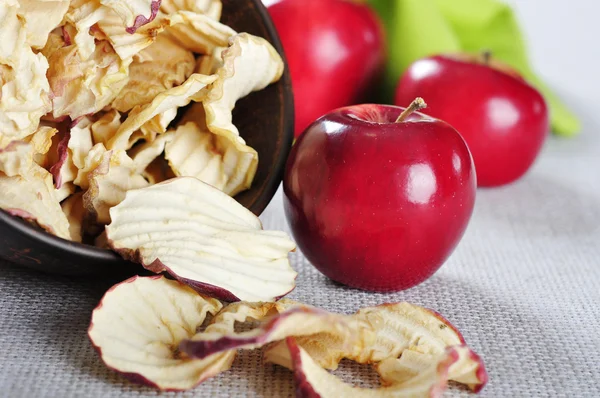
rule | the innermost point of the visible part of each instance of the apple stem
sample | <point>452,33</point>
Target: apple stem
<point>414,106</point>
<point>487,57</point>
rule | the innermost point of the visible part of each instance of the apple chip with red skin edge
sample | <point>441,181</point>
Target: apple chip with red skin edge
<point>134,13</point>
<point>414,334</point>
<point>28,191</point>
<point>83,87</point>
<point>85,15</point>
<point>468,369</point>
<point>241,312</point>
<point>204,238</point>
<point>195,32</point>
<point>300,320</point>
<point>139,324</point>
<point>315,382</point>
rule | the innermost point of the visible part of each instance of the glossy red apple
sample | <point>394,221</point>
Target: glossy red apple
<point>335,51</point>
<point>375,202</point>
<point>503,119</point>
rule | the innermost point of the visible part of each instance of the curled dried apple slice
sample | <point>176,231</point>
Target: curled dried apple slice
<point>301,320</point>
<point>176,97</point>
<point>108,184</point>
<point>250,63</point>
<point>25,90</point>
<point>28,191</point>
<point>401,330</point>
<point>314,381</point>
<point>85,87</point>
<point>196,152</point>
<point>405,326</point>
<point>134,13</point>
<point>468,368</point>
<point>157,68</point>
<point>203,238</point>
<point>139,324</point>
<point>41,17</point>
<point>242,311</point>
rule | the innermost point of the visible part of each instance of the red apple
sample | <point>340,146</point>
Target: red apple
<point>375,202</point>
<point>503,119</point>
<point>335,51</point>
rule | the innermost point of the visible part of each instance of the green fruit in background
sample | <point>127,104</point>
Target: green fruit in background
<point>420,28</point>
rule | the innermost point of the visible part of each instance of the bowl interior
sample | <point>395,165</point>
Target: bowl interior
<point>265,120</point>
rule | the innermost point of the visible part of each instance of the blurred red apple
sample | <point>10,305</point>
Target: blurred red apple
<point>375,202</point>
<point>503,119</point>
<point>335,52</point>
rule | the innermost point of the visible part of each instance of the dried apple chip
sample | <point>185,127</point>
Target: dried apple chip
<point>301,320</point>
<point>41,17</point>
<point>203,238</point>
<point>196,32</point>
<point>195,151</point>
<point>157,68</point>
<point>83,14</point>
<point>27,190</point>
<point>137,328</point>
<point>25,91</point>
<point>108,184</point>
<point>134,13</point>
<point>12,31</point>
<point>414,334</point>
<point>176,97</point>
<point>83,87</point>
<point>405,326</point>
<point>314,381</point>
<point>468,369</point>
<point>250,63</point>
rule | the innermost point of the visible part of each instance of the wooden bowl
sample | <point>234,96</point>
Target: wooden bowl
<point>265,120</point>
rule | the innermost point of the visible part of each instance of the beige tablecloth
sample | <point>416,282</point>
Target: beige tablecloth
<point>523,287</point>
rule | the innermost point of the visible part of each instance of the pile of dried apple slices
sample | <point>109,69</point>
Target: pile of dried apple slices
<point>173,334</point>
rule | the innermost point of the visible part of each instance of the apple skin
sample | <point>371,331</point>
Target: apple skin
<point>503,119</point>
<point>375,204</point>
<point>335,51</point>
